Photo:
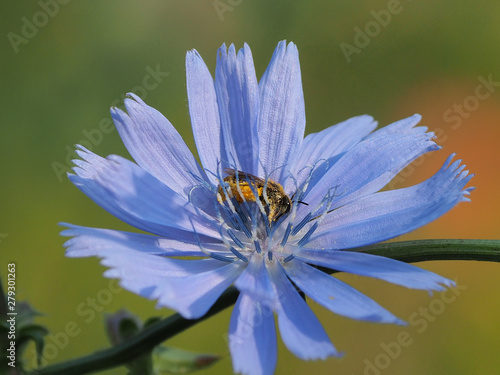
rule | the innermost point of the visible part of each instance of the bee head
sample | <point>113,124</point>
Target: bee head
<point>283,206</point>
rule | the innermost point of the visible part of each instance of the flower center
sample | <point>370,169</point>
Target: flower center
<point>243,188</point>
<point>256,215</point>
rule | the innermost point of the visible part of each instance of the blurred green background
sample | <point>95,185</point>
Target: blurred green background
<point>60,75</point>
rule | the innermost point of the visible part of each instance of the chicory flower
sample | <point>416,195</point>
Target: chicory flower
<point>264,209</point>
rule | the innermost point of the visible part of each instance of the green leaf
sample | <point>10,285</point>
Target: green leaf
<point>26,331</point>
<point>26,314</point>
<point>121,326</point>
<point>35,333</point>
<point>168,360</point>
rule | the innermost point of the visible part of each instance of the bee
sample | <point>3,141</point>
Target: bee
<point>276,202</point>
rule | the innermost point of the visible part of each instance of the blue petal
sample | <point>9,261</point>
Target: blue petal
<point>404,126</point>
<point>252,337</point>
<point>156,146</point>
<point>388,214</point>
<point>255,279</point>
<point>238,100</point>
<point>336,295</point>
<point>387,269</point>
<point>88,242</point>
<point>300,330</point>
<point>282,116</point>
<point>193,295</point>
<point>326,145</point>
<point>134,196</point>
<point>139,271</point>
<point>204,111</point>
<point>371,164</point>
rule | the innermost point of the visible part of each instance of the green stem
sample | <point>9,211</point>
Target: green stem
<point>424,250</point>
<point>407,251</point>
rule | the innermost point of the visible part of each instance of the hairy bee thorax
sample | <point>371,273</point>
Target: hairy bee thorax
<point>244,187</point>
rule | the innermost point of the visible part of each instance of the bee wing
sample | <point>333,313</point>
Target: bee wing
<point>243,176</point>
<point>230,171</point>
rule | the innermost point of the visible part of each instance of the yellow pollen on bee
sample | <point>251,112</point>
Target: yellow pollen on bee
<point>243,192</point>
